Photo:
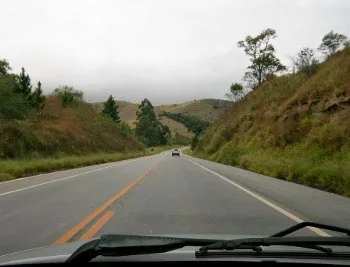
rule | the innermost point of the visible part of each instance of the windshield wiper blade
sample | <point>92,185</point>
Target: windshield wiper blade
<point>302,242</point>
<point>124,245</point>
<point>279,238</point>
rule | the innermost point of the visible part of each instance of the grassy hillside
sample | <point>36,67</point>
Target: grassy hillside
<point>206,109</point>
<point>292,127</point>
<point>75,129</point>
<point>127,111</point>
<point>176,128</point>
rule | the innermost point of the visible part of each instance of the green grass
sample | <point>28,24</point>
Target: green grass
<point>12,169</point>
<point>313,168</point>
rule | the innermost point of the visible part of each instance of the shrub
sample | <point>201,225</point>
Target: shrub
<point>68,94</point>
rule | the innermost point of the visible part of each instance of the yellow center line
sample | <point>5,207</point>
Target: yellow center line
<point>98,225</point>
<point>73,231</point>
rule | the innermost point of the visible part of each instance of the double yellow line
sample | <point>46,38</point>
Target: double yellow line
<point>98,225</point>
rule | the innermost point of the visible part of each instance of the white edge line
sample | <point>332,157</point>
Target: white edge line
<point>265,201</point>
<point>37,175</point>
<point>65,178</point>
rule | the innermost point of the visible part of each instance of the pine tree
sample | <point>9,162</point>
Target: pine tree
<point>24,86</point>
<point>110,109</point>
<point>37,98</point>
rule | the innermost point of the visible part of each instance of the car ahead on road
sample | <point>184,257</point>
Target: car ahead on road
<point>278,249</point>
<point>175,152</point>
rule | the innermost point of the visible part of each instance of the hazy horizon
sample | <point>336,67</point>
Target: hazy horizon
<point>166,51</point>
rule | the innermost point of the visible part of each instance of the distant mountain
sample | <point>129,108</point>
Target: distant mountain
<point>206,109</point>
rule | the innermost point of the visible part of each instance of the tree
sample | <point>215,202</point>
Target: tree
<point>110,109</point>
<point>24,88</point>
<point>36,98</point>
<point>24,85</point>
<point>331,42</point>
<point>12,104</point>
<point>149,130</point>
<point>236,92</point>
<point>262,57</point>
<point>68,94</point>
<point>306,62</point>
<point>146,108</point>
<point>4,67</point>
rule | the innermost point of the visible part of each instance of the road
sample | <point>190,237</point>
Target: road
<point>158,194</point>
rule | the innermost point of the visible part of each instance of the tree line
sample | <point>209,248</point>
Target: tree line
<point>264,63</point>
<point>192,123</point>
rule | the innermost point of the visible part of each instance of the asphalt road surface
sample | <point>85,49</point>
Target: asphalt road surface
<point>158,194</point>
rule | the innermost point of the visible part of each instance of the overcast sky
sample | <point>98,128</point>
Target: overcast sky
<point>166,51</point>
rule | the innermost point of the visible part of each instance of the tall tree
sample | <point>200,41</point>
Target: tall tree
<point>331,42</point>
<point>24,85</point>
<point>149,130</point>
<point>110,109</point>
<point>146,109</point>
<point>262,57</point>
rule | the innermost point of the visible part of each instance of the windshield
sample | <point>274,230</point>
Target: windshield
<point>211,119</point>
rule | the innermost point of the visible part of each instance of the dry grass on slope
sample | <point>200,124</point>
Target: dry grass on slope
<point>176,128</point>
<point>76,129</point>
<point>292,127</point>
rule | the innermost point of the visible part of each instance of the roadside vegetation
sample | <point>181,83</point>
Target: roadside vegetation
<point>40,133</point>
<point>16,168</point>
<point>293,124</point>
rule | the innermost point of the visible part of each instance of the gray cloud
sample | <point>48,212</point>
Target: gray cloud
<point>167,51</point>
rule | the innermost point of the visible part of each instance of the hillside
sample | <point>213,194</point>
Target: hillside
<point>292,127</point>
<point>56,130</point>
<point>206,109</point>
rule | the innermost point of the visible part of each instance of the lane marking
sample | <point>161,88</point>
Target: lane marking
<point>98,225</point>
<point>41,174</point>
<point>68,235</point>
<point>265,201</point>
<point>65,178</point>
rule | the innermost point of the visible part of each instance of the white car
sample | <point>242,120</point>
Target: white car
<point>175,151</point>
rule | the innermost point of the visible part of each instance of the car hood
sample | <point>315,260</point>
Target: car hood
<point>60,253</point>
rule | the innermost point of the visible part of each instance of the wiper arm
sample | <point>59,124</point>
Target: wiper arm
<point>301,225</point>
<point>124,245</point>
